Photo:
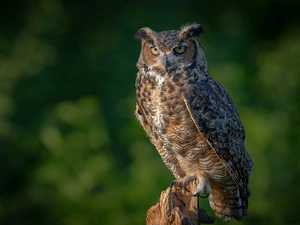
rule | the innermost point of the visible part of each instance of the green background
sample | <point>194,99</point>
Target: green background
<point>71,150</point>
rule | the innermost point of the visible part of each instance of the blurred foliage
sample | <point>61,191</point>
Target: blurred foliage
<point>71,151</point>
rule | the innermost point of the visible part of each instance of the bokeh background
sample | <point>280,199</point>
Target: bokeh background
<point>71,150</point>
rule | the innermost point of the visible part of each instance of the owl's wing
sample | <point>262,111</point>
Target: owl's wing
<point>216,118</point>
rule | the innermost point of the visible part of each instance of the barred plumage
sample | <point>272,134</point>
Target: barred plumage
<point>191,119</point>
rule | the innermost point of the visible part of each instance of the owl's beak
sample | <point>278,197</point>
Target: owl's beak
<point>167,62</point>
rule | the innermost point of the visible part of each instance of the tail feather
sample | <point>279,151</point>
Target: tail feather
<point>228,203</point>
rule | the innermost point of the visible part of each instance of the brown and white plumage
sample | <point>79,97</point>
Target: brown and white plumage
<point>191,119</point>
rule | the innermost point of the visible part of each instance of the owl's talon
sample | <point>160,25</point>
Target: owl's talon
<point>185,188</point>
<point>198,191</point>
<point>206,194</point>
<point>198,186</point>
<point>186,182</point>
<point>173,184</point>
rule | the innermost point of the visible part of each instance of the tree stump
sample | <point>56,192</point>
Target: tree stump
<point>177,207</point>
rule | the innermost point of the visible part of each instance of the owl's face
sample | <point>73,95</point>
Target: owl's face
<point>168,50</point>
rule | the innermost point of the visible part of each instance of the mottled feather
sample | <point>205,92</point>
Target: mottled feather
<point>218,121</point>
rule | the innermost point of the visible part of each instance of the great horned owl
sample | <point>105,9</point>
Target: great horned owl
<point>191,119</point>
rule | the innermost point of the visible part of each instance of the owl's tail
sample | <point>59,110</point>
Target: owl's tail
<point>228,202</point>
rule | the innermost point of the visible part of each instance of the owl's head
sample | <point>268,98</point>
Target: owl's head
<point>167,50</point>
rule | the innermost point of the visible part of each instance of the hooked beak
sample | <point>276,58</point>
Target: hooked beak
<point>166,62</point>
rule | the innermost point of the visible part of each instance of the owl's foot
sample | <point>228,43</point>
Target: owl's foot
<point>186,181</point>
<point>201,184</point>
<point>175,184</point>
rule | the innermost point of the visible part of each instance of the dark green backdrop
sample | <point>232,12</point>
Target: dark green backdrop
<point>71,150</point>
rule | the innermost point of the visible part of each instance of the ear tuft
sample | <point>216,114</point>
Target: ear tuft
<point>189,31</point>
<point>144,34</point>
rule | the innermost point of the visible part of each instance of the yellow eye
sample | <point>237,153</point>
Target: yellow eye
<point>154,50</point>
<point>180,49</point>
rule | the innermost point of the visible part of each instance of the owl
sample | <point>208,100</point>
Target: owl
<point>192,120</point>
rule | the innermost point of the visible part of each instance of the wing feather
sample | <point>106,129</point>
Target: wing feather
<point>216,118</point>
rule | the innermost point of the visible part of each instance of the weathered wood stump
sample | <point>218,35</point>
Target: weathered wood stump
<point>177,206</point>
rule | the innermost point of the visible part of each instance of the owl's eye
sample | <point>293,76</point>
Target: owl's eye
<point>180,49</point>
<point>154,50</point>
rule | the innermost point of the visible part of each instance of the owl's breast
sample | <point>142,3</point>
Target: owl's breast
<point>170,123</point>
<point>165,117</point>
